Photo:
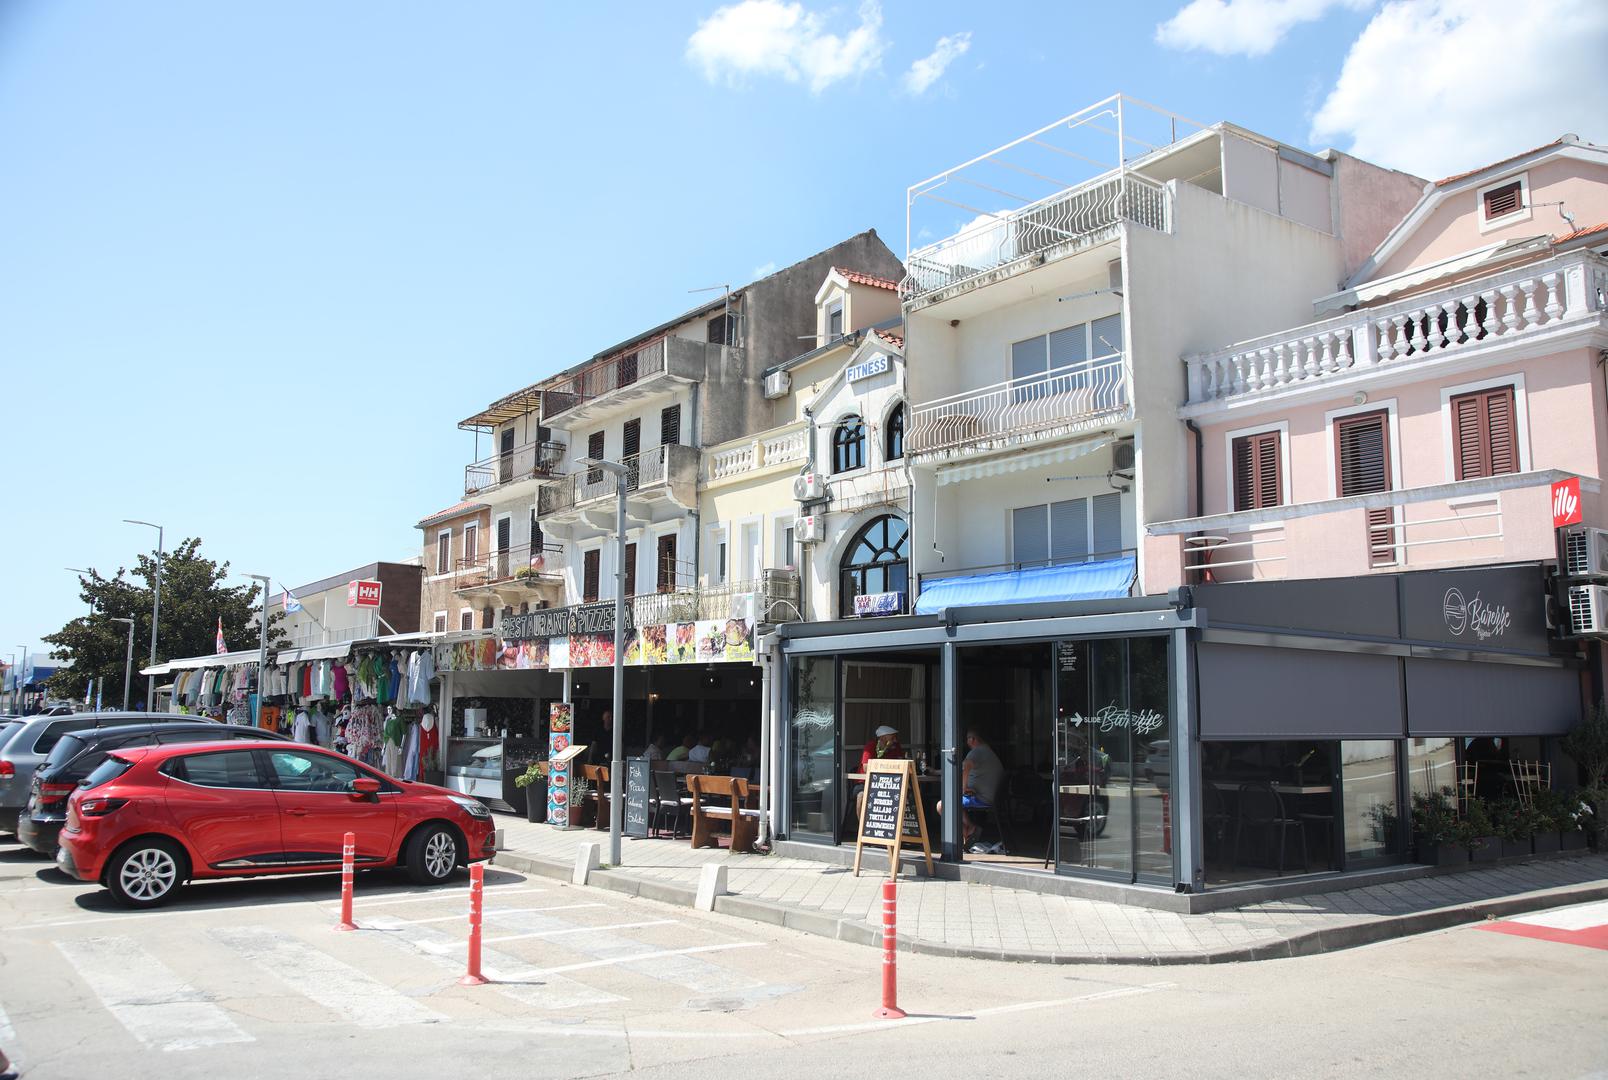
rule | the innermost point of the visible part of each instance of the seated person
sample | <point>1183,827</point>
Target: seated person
<point>700,749</point>
<point>981,776</point>
<point>680,753</point>
<point>883,745</point>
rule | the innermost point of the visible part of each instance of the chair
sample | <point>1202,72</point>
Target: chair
<point>598,777</point>
<point>744,822</point>
<point>1261,808</point>
<point>666,798</point>
<point>1215,819</point>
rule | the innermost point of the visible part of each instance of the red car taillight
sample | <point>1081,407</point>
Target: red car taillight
<point>7,768</point>
<point>55,793</point>
<point>99,807</point>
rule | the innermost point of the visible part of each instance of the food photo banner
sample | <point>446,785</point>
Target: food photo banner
<point>704,641</point>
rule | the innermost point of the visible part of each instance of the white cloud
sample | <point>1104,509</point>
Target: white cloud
<point>1441,86</point>
<point>787,41</point>
<point>930,68</point>
<point>1242,27</point>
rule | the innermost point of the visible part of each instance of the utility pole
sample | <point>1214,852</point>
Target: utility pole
<point>128,659</point>
<point>156,610</point>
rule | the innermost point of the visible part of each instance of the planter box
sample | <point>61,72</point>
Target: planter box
<point>1573,840</point>
<point>1515,849</point>
<point>1487,849</point>
<point>1545,843</point>
<point>1444,853</point>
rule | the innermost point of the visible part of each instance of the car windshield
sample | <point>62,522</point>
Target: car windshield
<point>64,751</point>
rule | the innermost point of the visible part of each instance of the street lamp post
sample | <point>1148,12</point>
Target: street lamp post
<point>262,646</point>
<point>90,573</point>
<point>128,659</point>
<point>156,610</point>
<point>16,697</point>
<point>617,751</point>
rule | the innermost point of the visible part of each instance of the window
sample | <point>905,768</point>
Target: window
<point>633,438</point>
<point>1067,531</point>
<point>723,330</point>
<point>298,770</point>
<point>665,563</point>
<point>488,617</point>
<point>466,619</point>
<point>670,425</point>
<point>1502,201</point>
<point>1258,482</point>
<point>538,543</point>
<point>1362,467</point>
<point>1059,362</point>
<point>893,438</point>
<point>219,769</point>
<point>720,561</point>
<point>444,552</point>
<point>630,569</point>
<point>594,450</point>
<point>1484,437</point>
<point>471,542</point>
<point>834,322</point>
<point>589,575</point>
<point>440,622</point>
<point>876,561</point>
<point>627,364</point>
<point>789,546</point>
<point>848,445</point>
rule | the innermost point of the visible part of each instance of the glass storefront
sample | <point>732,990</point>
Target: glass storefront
<point>812,746</point>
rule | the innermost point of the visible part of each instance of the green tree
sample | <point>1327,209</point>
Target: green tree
<point>194,596</point>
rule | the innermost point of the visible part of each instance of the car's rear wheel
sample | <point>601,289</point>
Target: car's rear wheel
<point>146,873</point>
<point>432,854</point>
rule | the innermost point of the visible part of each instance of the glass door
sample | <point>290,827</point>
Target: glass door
<point>812,747</point>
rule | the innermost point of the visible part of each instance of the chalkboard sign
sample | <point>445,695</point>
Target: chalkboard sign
<point>638,779</point>
<point>891,815</point>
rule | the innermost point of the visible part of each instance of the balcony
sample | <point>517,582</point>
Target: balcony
<point>511,573</point>
<point>663,473</point>
<point>1491,520</point>
<point>1538,307</point>
<point>532,461</point>
<point>880,487</point>
<point>1061,401</point>
<point>784,446</point>
<point>600,388</point>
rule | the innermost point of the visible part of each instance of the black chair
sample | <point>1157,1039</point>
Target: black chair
<point>1261,808</point>
<point>990,816</point>
<point>667,797</point>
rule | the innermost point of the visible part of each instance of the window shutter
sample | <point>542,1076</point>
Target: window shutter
<point>1069,529</point>
<point>589,576</point>
<point>670,425</point>
<point>1500,431</point>
<point>1484,434</point>
<point>633,437</point>
<point>1030,535</point>
<point>1258,480</point>
<point>1503,200</point>
<point>1362,461</point>
<point>630,569</point>
<point>1106,510</point>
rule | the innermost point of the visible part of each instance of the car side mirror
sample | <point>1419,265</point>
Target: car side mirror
<point>365,787</point>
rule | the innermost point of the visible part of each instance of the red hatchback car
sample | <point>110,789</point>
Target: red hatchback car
<point>152,817</point>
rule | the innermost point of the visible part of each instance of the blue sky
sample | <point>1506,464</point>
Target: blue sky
<point>257,259</point>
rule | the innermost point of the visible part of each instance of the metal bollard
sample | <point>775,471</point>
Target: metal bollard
<point>477,875</point>
<point>348,858</point>
<point>890,940</point>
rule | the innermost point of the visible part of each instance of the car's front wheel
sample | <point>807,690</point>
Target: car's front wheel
<point>432,854</point>
<point>146,873</point>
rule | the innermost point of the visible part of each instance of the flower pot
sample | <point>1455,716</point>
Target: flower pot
<point>1572,840</point>
<point>1440,853</point>
<point>1487,849</point>
<point>536,803</point>
<point>1545,842</point>
<point>1516,849</point>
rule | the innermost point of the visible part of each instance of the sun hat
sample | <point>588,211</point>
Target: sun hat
<point>886,730</point>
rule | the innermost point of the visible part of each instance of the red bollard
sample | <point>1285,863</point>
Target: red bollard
<point>348,857</point>
<point>890,973</point>
<point>477,875</point>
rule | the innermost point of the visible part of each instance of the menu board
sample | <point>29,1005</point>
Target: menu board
<point>891,814</point>
<point>637,780</point>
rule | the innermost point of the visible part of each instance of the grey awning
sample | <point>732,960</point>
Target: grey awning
<point>1450,697</point>
<point>315,652</point>
<point>1248,692</point>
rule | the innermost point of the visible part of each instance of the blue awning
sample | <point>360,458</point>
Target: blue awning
<point>1104,579</point>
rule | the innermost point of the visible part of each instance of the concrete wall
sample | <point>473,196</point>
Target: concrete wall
<point>1368,202</point>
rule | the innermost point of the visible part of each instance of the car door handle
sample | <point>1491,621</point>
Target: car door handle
<point>297,812</point>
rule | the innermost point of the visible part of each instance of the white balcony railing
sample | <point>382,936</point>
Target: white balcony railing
<point>1524,302</point>
<point>1063,218</point>
<point>660,467</point>
<point>532,460</point>
<point>1060,400</point>
<point>779,448</point>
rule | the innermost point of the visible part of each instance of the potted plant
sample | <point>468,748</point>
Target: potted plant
<point>534,782</point>
<point>1587,744</point>
<point>1435,829</point>
<point>1551,809</point>
<point>1510,822</point>
<point>1478,834</point>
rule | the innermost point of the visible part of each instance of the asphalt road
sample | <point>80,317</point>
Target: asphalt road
<point>250,978</point>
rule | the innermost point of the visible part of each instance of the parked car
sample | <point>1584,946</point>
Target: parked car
<point>150,818</point>
<point>31,741</point>
<point>77,755</point>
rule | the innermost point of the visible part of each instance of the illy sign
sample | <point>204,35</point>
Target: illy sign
<point>1566,502</point>
<point>363,594</point>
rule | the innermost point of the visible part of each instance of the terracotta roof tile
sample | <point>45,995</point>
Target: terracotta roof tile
<point>855,277</point>
<point>896,340</point>
<point>1494,164</point>
<point>1584,230</point>
<point>451,511</point>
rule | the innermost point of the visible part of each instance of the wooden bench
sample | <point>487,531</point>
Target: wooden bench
<point>598,798</point>
<point>743,821</point>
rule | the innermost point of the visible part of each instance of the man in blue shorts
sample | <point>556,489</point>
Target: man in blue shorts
<point>981,775</point>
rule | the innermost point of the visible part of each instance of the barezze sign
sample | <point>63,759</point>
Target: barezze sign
<point>1484,620</point>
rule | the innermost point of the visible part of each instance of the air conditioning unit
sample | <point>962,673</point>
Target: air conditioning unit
<point>1588,610</point>
<point>809,487</point>
<point>810,529</point>
<point>1585,552</point>
<point>777,384</point>
<point>1122,456</point>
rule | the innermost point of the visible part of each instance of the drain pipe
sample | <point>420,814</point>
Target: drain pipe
<point>1200,467</point>
<point>697,518</point>
<point>806,606</point>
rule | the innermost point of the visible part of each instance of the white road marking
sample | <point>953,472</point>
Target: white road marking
<point>447,953</point>
<point>998,1010</point>
<point>463,916</point>
<point>652,954</point>
<point>337,986</point>
<point>1583,917</point>
<point>578,930</point>
<point>360,901</point>
<point>147,997</point>
<point>8,1034</point>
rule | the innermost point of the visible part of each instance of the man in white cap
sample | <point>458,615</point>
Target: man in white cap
<point>883,744</point>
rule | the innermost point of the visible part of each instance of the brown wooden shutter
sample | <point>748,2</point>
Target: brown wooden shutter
<point>1258,480</point>
<point>670,425</point>
<point>1485,440</point>
<point>589,576</point>
<point>667,563</point>
<point>1362,464</point>
<point>630,569</point>
<point>1503,200</point>
<point>633,437</point>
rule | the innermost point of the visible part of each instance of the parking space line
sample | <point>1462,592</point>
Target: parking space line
<point>437,894</point>
<point>652,954</point>
<point>463,916</point>
<point>147,997</point>
<point>579,930</point>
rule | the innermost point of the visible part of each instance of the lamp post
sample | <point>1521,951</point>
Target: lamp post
<point>128,659</point>
<point>17,696</point>
<point>156,609</point>
<point>262,646</point>
<point>82,573</point>
<point>617,751</point>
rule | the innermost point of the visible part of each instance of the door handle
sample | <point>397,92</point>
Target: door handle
<point>297,812</point>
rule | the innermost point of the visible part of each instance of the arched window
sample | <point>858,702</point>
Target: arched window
<point>877,561</point>
<point>848,444</point>
<point>893,439</point>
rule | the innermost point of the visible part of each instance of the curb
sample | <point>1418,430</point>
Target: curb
<point>1306,943</point>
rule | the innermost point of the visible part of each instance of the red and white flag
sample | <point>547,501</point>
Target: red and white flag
<point>221,646</point>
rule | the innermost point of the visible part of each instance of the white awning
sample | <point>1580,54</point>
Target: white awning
<point>190,663</point>
<point>316,652</point>
<point>1000,465</point>
<point>1379,288</point>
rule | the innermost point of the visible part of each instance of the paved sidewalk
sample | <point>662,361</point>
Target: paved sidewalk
<point>989,921</point>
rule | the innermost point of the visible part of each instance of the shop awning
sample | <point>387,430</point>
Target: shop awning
<point>316,652</point>
<point>1104,579</point>
<point>190,663</point>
